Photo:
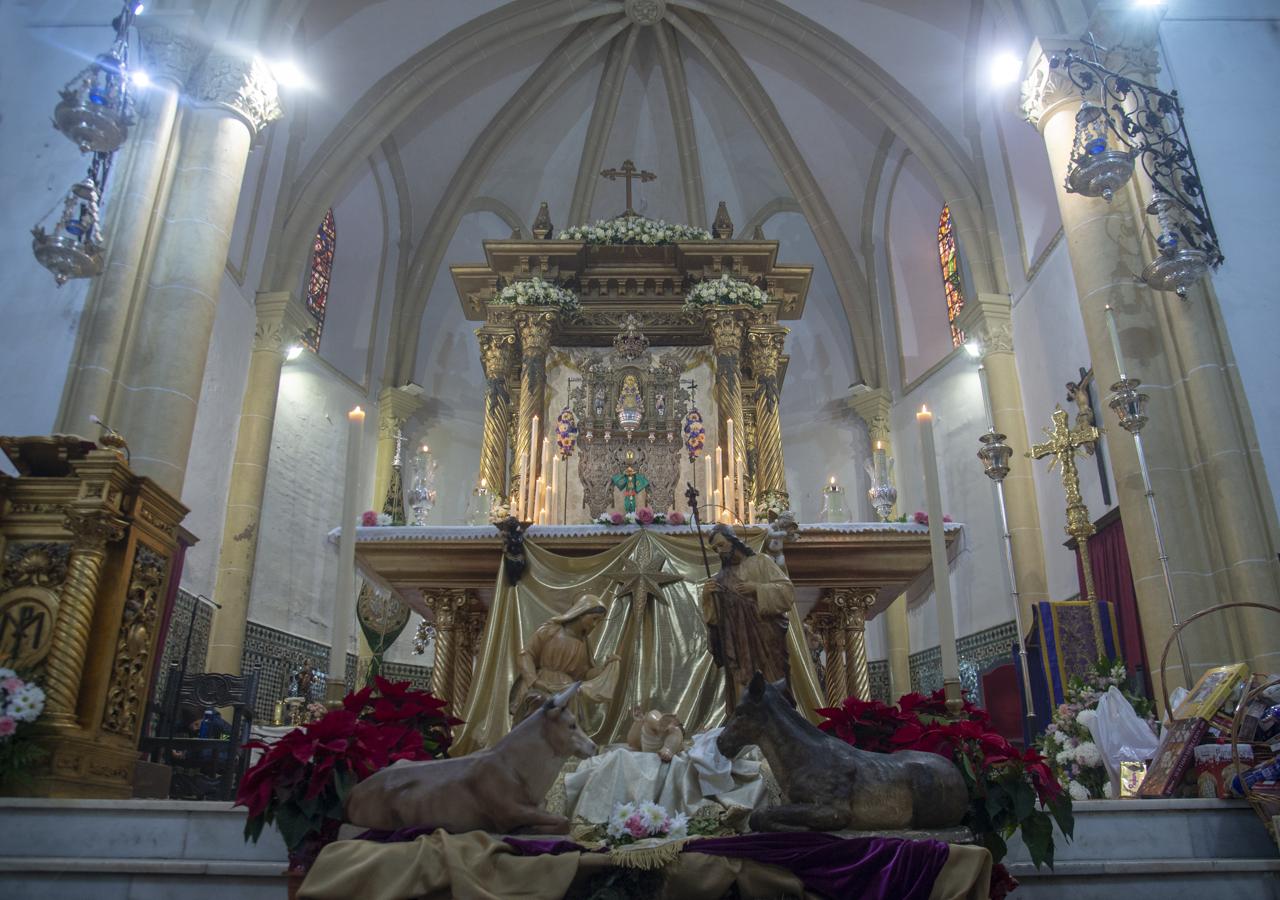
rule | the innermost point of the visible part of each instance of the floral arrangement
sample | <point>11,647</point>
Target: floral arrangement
<point>536,292</point>
<point>566,433</point>
<point>695,434</point>
<point>631,822</point>
<point>1009,789</point>
<point>21,702</point>
<point>634,230</point>
<point>919,517</point>
<point>302,780</point>
<point>642,516</point>
<point>725,291</point>
<point>1067,741</point>
<point>370,519</point>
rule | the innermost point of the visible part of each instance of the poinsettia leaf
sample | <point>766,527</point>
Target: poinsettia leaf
<point>294,824</point>
<point>1064,815</point>
<point>1037,834</point>
<point>253,828</point>
<point>994,843</point>
<point>343,782</point>
<point>1024,799</point>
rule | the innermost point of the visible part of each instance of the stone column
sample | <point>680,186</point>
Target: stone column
<point>231,99</point>
<point>873,406</point>
<point>396,406</point>
<point>168,55</point>
<point>497,347</point>
<point>535,330</point>
<point>281,321</point>
<point>1220,529</point>
<point>727,327</point>
<point>987,319</point>
<point>92,529</point>
<point>765,348</point>
<point>851,606</point>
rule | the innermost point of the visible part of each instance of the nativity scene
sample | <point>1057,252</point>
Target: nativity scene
<point>621,449</point>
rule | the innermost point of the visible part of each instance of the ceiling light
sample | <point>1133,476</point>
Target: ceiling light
<point>140,78</point>
<point>1148,2</point>
<point>287,74</point>
<point>973,348</point>
<point>137,10</point>
<point>1005,68</point>
<point>294,351</point>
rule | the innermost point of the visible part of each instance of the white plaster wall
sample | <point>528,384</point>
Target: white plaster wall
<point>1219,56</point>
<point>40,49</point>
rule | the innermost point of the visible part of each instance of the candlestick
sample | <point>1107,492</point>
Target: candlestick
<point>1115,340</point>
<point>941,571</point>
<point>345,583</point>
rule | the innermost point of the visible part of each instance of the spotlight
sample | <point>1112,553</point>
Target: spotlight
<point>294,351</point>
<point>137,10</point>
<point>973,348</point>
<point>1005,68</point>
<point>287,74</point>
<point>1148,3</point>
<point>140,78</point>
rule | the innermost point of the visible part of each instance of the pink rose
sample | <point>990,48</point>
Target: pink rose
<point>7,726</point>
<point>946,518</point>
<point>617,518</point>
<point>644,515</point>
<point>637,827</point>
<point>920,518</point>
<point>368,518</point>
<point>675,518</point>
<point>12,685</point>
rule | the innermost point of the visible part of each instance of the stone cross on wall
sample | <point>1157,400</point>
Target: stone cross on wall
<point>629,172</point>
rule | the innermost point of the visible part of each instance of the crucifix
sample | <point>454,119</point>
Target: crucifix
<point>1081,393</point>
<point>629,172</point>
<point>1064,444</point>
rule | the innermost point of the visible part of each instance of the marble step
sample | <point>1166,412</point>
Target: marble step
<point>1150,879</point>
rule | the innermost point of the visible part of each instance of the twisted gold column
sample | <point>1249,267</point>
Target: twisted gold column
<point>852,606</point>
<point>726,328</point>
<point>535,342</point>
<point>470,629</point>
<point>71,631</point>
<point>496,350</point>
<point>765,348</point>
<point>448,607</point>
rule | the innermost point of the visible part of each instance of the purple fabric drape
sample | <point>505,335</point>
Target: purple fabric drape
<point>1113,580</point>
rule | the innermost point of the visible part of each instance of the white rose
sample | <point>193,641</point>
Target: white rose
<point>1088,754</point>
<point>1077,790</point>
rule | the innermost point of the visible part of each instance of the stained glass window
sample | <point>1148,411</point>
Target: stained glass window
<point>950,273</point>
<point>321,273</point>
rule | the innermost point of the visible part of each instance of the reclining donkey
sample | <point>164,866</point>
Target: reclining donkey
<point>828,785</point>
<point>496,790</point>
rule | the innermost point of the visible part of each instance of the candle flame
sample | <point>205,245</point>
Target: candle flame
<point>482,483</point>
<point>879,445</point>
<point>833,479</point>
<point>924,408</point>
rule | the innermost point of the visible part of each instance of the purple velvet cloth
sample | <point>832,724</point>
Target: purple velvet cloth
<point>872,868</point>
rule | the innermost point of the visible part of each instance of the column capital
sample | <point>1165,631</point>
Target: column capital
<point>496,348</point>
<point>726,328</point>
<point>989,319</point>
<point>535,330</point>
<point>851,605</point>
<point>93,529</point>
<point>873,406</point>
<point>449,606</point>
<point>168,49</point>
<point>281,320</point>
<point>243,86</point>
<point>764,346</point>
<point>396,405</point>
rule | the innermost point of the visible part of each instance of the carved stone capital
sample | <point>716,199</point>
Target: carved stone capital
<point>240,85</point>
<point>645,12</point>
<point>280,321</point>
<point>873,406</point>
<point>496,350</point>
<point>764,349</point>
<point>535,329</point>
<point>1046,85</point>
<point>396,406</point>
<point>168,50</point>
<point>726,328</point>
<point>92,530</point>
<point>988,319</point>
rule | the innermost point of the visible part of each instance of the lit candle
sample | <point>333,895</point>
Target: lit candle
<point>345,591</point>
<point>555,488</point>
<point>879,462</point>
<point>708,477</point>
<point>1115,340</point>
<point>938,549</point>
<point>726,491</point>
<point>540,504</point>
<point>751,513</point>
<point>719,472</point>
<point>719,513</point>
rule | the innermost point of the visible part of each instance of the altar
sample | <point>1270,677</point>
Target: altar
<point>454,577</point>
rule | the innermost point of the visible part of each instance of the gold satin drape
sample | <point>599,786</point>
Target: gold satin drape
<point>665,662</point>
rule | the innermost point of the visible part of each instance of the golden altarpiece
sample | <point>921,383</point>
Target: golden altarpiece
<point>88,550</point>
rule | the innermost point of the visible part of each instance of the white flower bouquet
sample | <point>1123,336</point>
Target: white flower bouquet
<point>21,702</point>
<point>631,822</point>
<point>536,292</point>
<point>725,291</point>
<point>634,230</point>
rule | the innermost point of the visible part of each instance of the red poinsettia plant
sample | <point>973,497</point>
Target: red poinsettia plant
<point>1009,789</point>
<point>301,782</point>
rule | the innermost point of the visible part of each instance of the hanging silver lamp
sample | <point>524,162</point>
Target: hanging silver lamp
<point>1178,266</point>
<point>1097,168</point>
<point>96,109</point>
<point>73,247</point>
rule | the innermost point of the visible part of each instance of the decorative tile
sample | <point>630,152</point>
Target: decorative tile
<point>976,654</point>
<point>879,672</point>
<point>277,655</point>
<point>926,670</point>
<point>418,676</point>
<point>180,625</point>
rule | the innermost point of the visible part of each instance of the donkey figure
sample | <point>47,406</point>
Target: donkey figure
<point>498,789</point>
<point>828,785</point>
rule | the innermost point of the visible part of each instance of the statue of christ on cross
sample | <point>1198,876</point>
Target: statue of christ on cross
<point>628,171</point>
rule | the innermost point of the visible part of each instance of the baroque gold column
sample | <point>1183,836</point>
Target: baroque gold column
<point>1200,444</point>
<point>230,99</point>
<point>535,330</point>
<point>92,529</point>
<point>987,318</point>
<point>873,406</point>
<point>448,607</point>
<point>497,347</point>
<point>851,606</point>
<point>727,328</point>
<point>280,321</point>
<point>765,352</point>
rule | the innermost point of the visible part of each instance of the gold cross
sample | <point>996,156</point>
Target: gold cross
<point>628,171</point>
<point>1064,444</point>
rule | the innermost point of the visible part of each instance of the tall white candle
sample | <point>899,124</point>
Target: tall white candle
<point>719,482</point>
<point>938,548</point>
<point>708,477</point>
<point>1115,340</point>
<point>879,462</point>
<point>345,592</point>
<point>986,396</point>
<point>732,472</point>
<point>530,474</point>
<point>554,494</point>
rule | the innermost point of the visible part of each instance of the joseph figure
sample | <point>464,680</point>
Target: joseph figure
<point>745,607</point>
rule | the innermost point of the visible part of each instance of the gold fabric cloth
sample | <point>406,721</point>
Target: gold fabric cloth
<point>478,866</point>
<point>662,642</point>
